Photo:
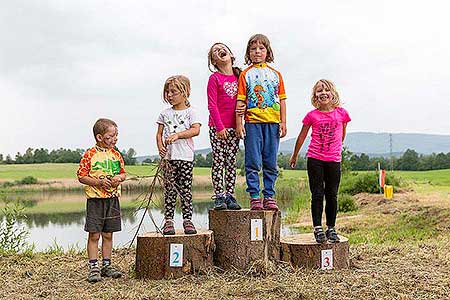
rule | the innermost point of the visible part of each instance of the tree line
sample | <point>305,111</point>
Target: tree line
<point>409,161</point>
<point>61,155</point>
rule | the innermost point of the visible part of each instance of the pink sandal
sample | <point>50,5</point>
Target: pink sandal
<point>255,204</point>
<point>270,204</point>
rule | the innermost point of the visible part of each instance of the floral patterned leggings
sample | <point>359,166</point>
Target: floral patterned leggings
<point>178,181</point>
<point>223,168</point>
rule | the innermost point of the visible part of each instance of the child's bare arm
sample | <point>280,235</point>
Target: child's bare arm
<point>105,182</point>
<point>344,131</point>
<point>240,130</point>
<point>298,144</point>
<point>159,141</point>
<point>283,128</point>
<point>185,134</point>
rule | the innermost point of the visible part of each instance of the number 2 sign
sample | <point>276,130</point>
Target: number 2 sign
<point>327,259</point>
<point>176,255</point>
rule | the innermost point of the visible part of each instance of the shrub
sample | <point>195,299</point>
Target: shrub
<point>28,180</point>
<point>366,183</point>
<point>346,203</point>
<point>12,235</point>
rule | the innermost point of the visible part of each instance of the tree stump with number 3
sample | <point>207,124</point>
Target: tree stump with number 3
<point>156,259</point>
<point>302,250</point>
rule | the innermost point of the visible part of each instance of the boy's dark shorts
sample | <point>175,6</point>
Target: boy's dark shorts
<point>103,215</point>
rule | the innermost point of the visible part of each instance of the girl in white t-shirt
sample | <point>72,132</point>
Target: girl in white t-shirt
<point>177,126</point>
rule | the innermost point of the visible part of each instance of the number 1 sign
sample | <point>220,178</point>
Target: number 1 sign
<point>176,255</point>
<point>327,259</point>
<point>256,230</point>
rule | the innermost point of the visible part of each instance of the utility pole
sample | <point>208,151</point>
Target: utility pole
<point>390,151</point>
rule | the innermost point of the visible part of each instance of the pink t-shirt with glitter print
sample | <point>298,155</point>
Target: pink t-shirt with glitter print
<point>222,91</point>
<point>326,136</point>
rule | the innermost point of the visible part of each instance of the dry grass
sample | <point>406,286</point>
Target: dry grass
<point>410,268</point>
<point>420,271</point>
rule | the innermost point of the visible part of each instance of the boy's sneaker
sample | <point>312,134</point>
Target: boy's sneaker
<point>189,227</point>
<point>332,235</point>
<point>219,202</point>
<point>94,274</point>
<point>168,228</point>
<point>231,202</point>
<point>320,236</point>
<point>270,204</point>
<point>255,204</point>
<point>110,271</point>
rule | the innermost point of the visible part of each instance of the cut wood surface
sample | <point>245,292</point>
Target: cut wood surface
<point>153,254</point>
<point>232,235</point>
<point>302,250</point>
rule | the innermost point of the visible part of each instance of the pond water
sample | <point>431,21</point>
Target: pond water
<point>55,217</point>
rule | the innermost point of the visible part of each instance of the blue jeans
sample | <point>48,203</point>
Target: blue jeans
<point>261,148</point>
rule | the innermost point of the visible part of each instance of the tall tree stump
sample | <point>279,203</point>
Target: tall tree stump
<point>302,250</point>
<point>154,260</point>
<point>233,237</point>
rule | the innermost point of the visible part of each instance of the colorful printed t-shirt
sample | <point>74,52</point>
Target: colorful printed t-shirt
<point>222,91</point>
<point>327,131</point>
<point>262,88</point>
<point>98,163</point>
<point>175,121</point>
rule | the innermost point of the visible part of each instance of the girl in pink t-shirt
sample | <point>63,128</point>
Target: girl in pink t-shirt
<point>328,122</point>
<point>222,91</point>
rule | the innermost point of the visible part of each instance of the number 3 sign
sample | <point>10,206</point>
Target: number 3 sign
<point>176,255</point>
<point>327,259</point>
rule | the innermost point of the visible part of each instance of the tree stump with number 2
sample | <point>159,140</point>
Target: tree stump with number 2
<point>302,250</point>
<point>174,256</point>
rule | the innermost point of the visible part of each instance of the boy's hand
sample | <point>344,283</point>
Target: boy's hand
<point>240,108</point>
<point>171,139</point>
<point>105,183</point>
<point>283,130</point>
<point>223,134</point>
<point>115,181</point>
<point>240,131</point>
<point>293,161</point>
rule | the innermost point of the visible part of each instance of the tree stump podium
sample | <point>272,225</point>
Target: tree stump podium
<point>302,250</point>
<point>245,236</point>
<point>159,256</point>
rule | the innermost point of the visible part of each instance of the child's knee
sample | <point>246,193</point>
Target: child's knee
<point>94,236</point>
<point>107,235</point>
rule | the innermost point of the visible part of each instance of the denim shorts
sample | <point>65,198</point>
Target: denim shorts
<point>103,215</point>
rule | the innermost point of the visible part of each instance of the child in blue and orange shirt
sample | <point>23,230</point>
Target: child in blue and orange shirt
<point>261,88</point>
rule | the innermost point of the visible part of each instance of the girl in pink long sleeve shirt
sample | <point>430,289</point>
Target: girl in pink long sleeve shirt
<point>222,91</point>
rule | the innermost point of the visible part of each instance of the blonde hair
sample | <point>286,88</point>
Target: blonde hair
<point>329,85</point>
<point>236,70</point>
<point>263,40</point>
<point>101,126</point>
<point>182,83</point>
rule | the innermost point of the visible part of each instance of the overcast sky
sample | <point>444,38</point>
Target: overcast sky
<point>63,64</point>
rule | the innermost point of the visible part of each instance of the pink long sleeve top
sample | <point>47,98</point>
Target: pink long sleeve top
<point>222,91</point>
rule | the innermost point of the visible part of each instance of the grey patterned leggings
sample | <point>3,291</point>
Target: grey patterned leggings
<point>224,161</point>
<point>178,181</point>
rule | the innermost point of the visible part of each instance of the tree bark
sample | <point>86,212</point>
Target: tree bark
<point>153,254</point>
<point>234,247</point>
<point>302,250</point>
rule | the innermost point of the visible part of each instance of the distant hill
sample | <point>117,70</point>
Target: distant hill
<point>377,144</point>
<point>374,144</point>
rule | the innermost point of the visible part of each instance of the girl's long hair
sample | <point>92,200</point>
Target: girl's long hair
<point>263,40</point>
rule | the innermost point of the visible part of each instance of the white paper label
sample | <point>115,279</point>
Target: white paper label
<point>256,230</point>
<point>327,259</point>
<point>176,255</point>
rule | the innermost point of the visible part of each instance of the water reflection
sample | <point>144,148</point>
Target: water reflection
<point>59,216</point>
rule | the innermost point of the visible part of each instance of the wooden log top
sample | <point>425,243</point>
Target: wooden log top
<point>305,239</point>
<point>178,233</point>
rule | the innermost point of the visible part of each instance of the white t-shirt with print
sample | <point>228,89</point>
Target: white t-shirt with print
<point>175,121</point>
